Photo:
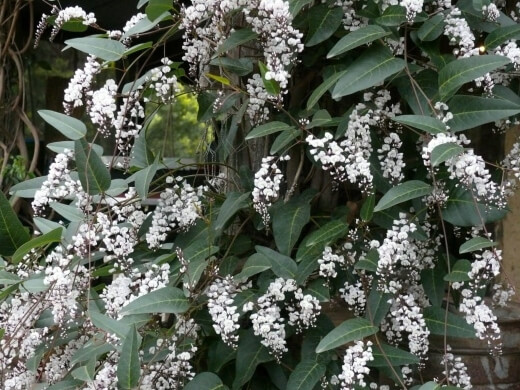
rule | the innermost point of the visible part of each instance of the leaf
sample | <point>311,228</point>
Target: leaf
<point>86,372</point>
<point>106,49</point>
<point>396,357</point>
<point>93,174</point>
<point>141,155</point>
<point>44,225</point>
<point>271,85</point>
<point>369,262</point>
<point>235,201</point>
<point>220,79</point>
<point>157,8</point>
<point>350,330</point>
<point>432,28</point>
<point>250,354</point>
<point>12,233</point>
<point>288,223</point>
<point>283,139</point>
<point>163,300</point>
<point>268,128</point>
<point>472,111</point>
<point>37,242</point>
<point>371,68</point>
<point>319,289</point>
<point>129,366</point>
<point>8,279</point>
<point>422,122</point>
<point>144,177</point>
<point>205,381</point>
<point>323,22</point>
<point>432,280</point>
<point>475,244</point>
<point>235,39</point>
<point>455,326</point>
<point>282,266</point>
<point>501,35</point>
<point>255,264</point>
<point>357,38</point>
<point>367,210</point>
<point>324,87</point>
<point>91,350</point>
<point>144,25</point>
<point>60,146</point>
<point>459,271</point>
<point>295,6</point>
<point>108,324</point>
<point>377,305</point>
<point>328,233</point>
<point>403,192</point>
<point>70,127</point>
<point>137,48</point>
<point>445,152</point>
<point>28,188</point>
<point>66,384</point>
<point>238,66</point>
<point>306,374</point>
<point>392,16</point>
<point>72,213</point>
<point>464,70</point>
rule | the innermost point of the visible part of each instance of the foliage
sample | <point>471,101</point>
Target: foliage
<point>342,179</point>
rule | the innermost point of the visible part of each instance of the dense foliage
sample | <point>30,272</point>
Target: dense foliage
<point>342,180</point>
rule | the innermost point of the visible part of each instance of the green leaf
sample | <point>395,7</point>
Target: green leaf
<point>219,354</point>
<point>367,210</point>
<point>396,357</point>
<point>108,324</point>
<point>44,225</point>
<point>255,264</point>
<point>238,66</point>
<point>144,177</point>
<point>268,128</point>
<point>141,155</point>
<point>319,289</point>
<point>67,384</point>
<point>282,266</point>
<point>377,305</point>
<point>86,372</point>
<point>455,326</point>
<point>501,35</point>
<point>328,233</point>
<point>371,68</point>
<point>403,192</point>
<point>472,111</point>
<point>288,223</point>
<point>157,8</point>
<point>70,127</point>
<point>392,16</point>
<point>72,213</point>
<point>35,284</point>
<point>432,280</point>
<point>445,152</point>
<point>163,300</point>
<point>357,38</point>
<point>463,210</point>
<point>106,49</point>
<point>306,374</point>
<point>93,349</point>
<point>235,39</point>
<point>283,139</point>
<point>8,279</point>
<point>138,47</point>
<point>422,122</point>
<point>323,22</point>
<point>129,366</point>
<point>27,188</point>
<point>324,87</point>
<point>220,79</point>
<point>12,233</point>
<point>350,330</point>
<point>464,70</point>
<point>205,381</point>
<point>459,271</point>
<point>432,28</point>
<point>37,242</point>
<point>145,25</point>
<point>271,85</point>
<point>475,244</point>
<point>369,262</point>
<point>235,201</point>
<point>60,146</point>
<point>250,354</point>
<point>295,6</point>
<point>93,174</point>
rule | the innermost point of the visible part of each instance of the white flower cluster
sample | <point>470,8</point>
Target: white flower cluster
<point>164,84</point>
<point>390,159</point>
<point>455,370</point>
<point>117,34</point>
<point>510,50</point>
<point>491,12</point>
<point>267,186</point>
<point>406,317</point>
<point>70,13</point>
<point>442,113</point>
<point>101,106</point>
<point>413,7</point>
<point>179,207</point>
<point>511,164</point>
<point>436,140</point>
<point>351,19</point>
<point>459,33</point>
<point>58,185</point>
<point>355,297</point>
<point>258,97</point>
<point>80,84</point>
<point>354,366</point>
<point>223,312</point>
<point>502,294</point>
<point>328,261</point>
<point>127,123</point>
<point>480,315</point>
<point>268,322</point>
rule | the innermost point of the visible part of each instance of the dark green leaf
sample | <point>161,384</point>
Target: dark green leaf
<point>377,306</point>
<point>324,87</point>
<point>44,225</point>
<point>141,155</point>
<point>129,366</point>
<point>108,324</point>
<point>328,233</point>
<point>357,38</point>
<point>70,127</point>
<point>235,201</point>
<point>238,66</point>
<point>271,85</point>
<point>295,6</point>
<point>67,384</point>
<point>452,325</point>
<point>12,233</point>
<point>445,152</point>
<point>288,223</point>
<point>163,300</point>
<point>106,49</point>
<point>350,330</point>
<point>86,372</point>
<point>255,264</point>
<point>157,8</point>
<point>205,381</point>
<point>268,128</point>
<point>369,262</point>
<point>422,122</point>
<point>402,192</point>
<point>464,70</point>
<point>472,111</point>
<point>235,39</point>
<point>283,139</point>
<point>37,242</point>
<point>323,22</point>
<point>459,272</point>
<point>93,174</point>
<point>319,289</point>
<point>475,244</point>
<point>91,350</point>
<point>367,210</point>
<point>432,280</point>
<point>282,266</point>
<point>138,47</point>
<point>501,35</point>
<point>394,356</point>
<point>392,16</point>
<point>432,28</point>
<point>373,67</point>
<point>306,374</point>
<point>219,354</point>
<point>69,212</point>
<point>250,354</point>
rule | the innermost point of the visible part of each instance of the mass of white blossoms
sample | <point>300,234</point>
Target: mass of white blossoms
<point>455,370</point>
<point>328,262</point>
<point>163,82</point>
<point>354,367</point>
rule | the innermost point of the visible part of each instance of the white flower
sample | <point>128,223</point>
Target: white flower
<point>354,366</point>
